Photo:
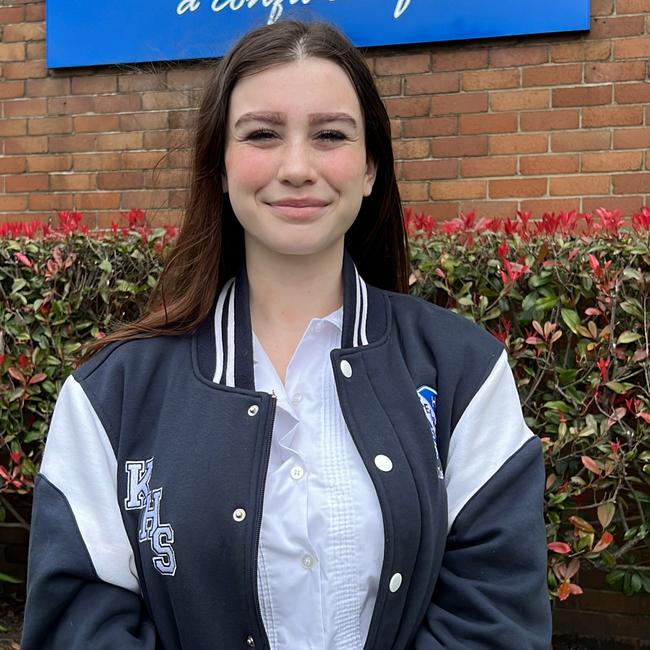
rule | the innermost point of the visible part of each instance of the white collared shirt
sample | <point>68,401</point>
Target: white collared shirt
<point>322,537</point>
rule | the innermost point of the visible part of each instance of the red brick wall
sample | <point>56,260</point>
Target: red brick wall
<point>604,614</point>
<point>536,123</point>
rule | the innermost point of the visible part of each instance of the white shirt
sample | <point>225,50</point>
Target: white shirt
<point>322,536</point>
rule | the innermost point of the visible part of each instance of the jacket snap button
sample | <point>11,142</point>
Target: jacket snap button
<point>383,463</point>
<point>346,368</point>
<point>395,582</point>
<point>253,410</point>
<point>239,514</point>
<point>250,641</point>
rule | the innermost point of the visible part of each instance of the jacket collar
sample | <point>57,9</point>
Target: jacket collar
<point>225,340</point>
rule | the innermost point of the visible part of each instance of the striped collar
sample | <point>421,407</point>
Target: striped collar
<point>224,351</point>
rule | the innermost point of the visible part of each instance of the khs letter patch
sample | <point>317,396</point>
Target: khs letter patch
<point>141,497</point>
<point>428,398</point>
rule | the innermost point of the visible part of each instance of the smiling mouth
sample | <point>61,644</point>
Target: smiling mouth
<point>297,211</point>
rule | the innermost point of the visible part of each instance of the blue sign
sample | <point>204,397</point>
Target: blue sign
<point>81,33</point>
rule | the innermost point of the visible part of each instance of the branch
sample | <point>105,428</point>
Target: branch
<point>21,522</point>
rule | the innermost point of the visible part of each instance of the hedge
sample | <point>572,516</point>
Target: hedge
<point>566,293</point>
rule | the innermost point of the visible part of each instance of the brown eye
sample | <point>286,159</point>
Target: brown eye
<point>331,135</point>
<point>261,134</point>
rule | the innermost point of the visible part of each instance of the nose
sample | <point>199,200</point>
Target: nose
<point>297,165</point>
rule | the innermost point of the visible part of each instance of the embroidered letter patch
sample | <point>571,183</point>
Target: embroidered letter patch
<point>139,496</point>
<point>428,398</point>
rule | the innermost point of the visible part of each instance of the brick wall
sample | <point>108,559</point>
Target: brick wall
<point>604,614</point>
<point>536,123</point>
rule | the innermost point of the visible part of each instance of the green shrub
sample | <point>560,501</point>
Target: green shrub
<point>567,294</point>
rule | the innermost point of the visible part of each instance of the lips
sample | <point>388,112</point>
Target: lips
<point>298,208</point>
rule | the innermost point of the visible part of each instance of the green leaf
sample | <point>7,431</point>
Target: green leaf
<point>558,405</point>
<point>571,318</point>
<point>632,308</point>
<point>617,387</point>
<point>628,337</point>
<point>18,285</point>
<point>632,274</point>
<point>7,578</point>
<point>544,304</point>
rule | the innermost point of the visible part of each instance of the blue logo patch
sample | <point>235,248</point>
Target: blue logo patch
<point>428,397</point>
<point>141,497</point>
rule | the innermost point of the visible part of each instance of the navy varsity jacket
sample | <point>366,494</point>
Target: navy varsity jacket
<point>148,506</point>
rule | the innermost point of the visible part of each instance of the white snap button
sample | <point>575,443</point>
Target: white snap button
<point>308,561</point>
<point>239,514</point>
<point>297,472</point>
<point>297,398</point>
<point>318,327</point>
<point>253,409</point>
<point>250,641</point>
<point>395,582</point>
<point>383,463</point>
<point>346,368</point>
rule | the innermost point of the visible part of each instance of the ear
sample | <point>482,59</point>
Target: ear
<point>369,177</point>
<point>224,183</point>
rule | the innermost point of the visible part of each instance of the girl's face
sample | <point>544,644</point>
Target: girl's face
<point>295,158</point>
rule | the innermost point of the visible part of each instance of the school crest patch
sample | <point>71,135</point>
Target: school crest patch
<point>428,397</point>
<point>140,496</point>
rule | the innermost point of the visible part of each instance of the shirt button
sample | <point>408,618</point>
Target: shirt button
<point>250,641</point>
<point>383,463</point>
<point>395,582</point>
<point>297,472</point>
<point>308,561</point>
<point>239,514</point>
<point>297,398</point>
<point>318,327</point>
<point>346,368</point>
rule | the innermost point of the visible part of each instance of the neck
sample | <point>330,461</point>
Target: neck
<point>290,290</point>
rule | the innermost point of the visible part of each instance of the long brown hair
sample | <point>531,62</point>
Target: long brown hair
<point>210,245</point>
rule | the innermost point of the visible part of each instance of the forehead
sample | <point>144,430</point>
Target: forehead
<point>296,88</point>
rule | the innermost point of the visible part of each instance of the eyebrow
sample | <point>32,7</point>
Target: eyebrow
<point>277,119</point>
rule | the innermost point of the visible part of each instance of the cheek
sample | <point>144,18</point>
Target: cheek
<point>345,167</point>
<point>247,168</point>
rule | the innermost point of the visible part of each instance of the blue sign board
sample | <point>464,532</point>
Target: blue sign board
<point>81,33</point>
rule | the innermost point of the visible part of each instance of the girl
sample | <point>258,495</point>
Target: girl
<point>286,451</point>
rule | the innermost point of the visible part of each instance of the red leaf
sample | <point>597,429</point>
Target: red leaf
<point>564,591</point>
<point>17,375</point>
<point>575,590</point>
<point>581,524</point>
<point>559,547</point>
<point>603,542</point>
<point>590,464</point>
<point>24,259</point>
<point>37,378</point>
<point>645,415</point>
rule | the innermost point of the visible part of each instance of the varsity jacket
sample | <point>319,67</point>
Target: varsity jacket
<point>148,507</point>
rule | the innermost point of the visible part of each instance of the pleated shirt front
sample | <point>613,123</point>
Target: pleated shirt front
<point>322,538</point>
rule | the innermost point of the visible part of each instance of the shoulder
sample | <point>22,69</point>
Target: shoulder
<point>119,378</point>
<point>136,354</point>
<point>441,328</point>
<point>443,350</point>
